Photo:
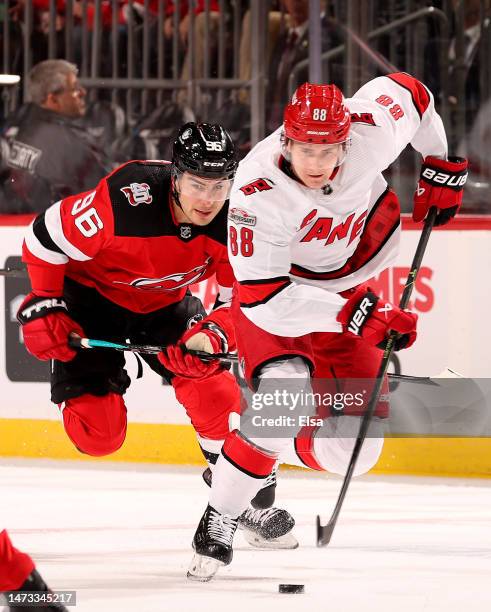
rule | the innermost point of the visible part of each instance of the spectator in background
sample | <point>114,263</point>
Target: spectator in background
<point>199,38</point>
<point>477,146</point>
<point>41,29</point>
<point>475,54</point>
<point>273,29</point>
<point>50,156</point>
<point>39,41</point>
<point>466,67</point>
<point>466,101</point>
<point>11,51</point>
<point>82,12</point>
<point>292,46</point>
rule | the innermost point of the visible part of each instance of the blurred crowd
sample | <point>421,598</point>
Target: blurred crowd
<point>59,137</point>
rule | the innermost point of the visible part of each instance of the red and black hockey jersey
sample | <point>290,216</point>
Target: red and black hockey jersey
<point>122,239</point>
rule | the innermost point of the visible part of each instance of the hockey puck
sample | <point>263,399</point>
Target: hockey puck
<point>291,588</point>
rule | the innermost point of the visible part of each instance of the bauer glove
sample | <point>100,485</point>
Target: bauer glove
<point>368,316</point>
<point>440,184</point>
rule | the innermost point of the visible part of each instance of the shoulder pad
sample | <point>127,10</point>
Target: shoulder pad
<point>139,195</point>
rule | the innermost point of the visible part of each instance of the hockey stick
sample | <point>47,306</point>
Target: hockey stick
<point>324,532</point>
<point>146,349</point>
<point>76,342</point>
<point>13,272</point>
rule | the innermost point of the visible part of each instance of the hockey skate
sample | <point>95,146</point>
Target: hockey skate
<point>212,543</point>
<point>264,526</point>
<point>34,583</point>
<point>268,528</point>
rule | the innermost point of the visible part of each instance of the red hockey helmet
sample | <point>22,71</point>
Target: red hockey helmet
<point>317,114</point>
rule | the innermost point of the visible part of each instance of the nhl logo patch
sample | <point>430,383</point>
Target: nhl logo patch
<point>185,232</point>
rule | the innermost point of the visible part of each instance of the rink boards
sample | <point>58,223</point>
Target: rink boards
<point>450,297</point>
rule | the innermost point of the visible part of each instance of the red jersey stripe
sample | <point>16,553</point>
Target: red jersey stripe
<point>304,447</point>
<point>255,292</point>
<point>418,91</point>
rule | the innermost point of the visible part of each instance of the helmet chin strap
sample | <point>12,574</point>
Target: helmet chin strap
<point>175,193</point>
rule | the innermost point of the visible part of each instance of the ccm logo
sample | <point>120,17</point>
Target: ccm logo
<point>442,178</point>
<point>361,313</point>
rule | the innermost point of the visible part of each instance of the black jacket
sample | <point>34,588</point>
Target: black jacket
<point>50,158</point>
<point>277,91</point>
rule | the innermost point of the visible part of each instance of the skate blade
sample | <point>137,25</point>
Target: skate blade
<point>284,542</point>
<point>202,569</point>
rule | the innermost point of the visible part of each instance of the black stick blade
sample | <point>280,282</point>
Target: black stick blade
<point>324,533</point>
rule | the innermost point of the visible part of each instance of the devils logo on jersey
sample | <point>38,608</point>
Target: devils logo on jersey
<point>137,193</point>
<point>172,282</point>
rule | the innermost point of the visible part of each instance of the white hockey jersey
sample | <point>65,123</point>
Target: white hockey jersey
<point>292,248</point>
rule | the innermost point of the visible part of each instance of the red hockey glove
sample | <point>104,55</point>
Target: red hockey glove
<point>204,336</point>
<point>46,327</point>
<point>370,317</point>
<point>440,184</point>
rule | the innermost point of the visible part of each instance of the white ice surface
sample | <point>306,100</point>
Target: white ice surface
<point>120,536</point>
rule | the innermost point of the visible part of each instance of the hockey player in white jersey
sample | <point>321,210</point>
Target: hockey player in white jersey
<point>311,220</point>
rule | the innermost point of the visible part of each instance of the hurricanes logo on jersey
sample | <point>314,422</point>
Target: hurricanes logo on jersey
<point>137,193</point>
<point>324,228</point>
<point>171,282</point>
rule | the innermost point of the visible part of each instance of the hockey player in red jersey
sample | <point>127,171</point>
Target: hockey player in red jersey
<point>311,220</point>
<point>18,574</point>
<point>116,263</point>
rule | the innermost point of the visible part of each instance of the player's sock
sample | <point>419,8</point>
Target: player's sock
<point>263,525</point>
<point>239,473</point>
<point>264,497</point>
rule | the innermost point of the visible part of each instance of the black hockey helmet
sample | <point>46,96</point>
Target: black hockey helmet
<point>205,149</point>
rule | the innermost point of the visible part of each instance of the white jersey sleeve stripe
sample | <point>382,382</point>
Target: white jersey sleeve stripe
<point>55,229</point>
<point>40,251</point>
